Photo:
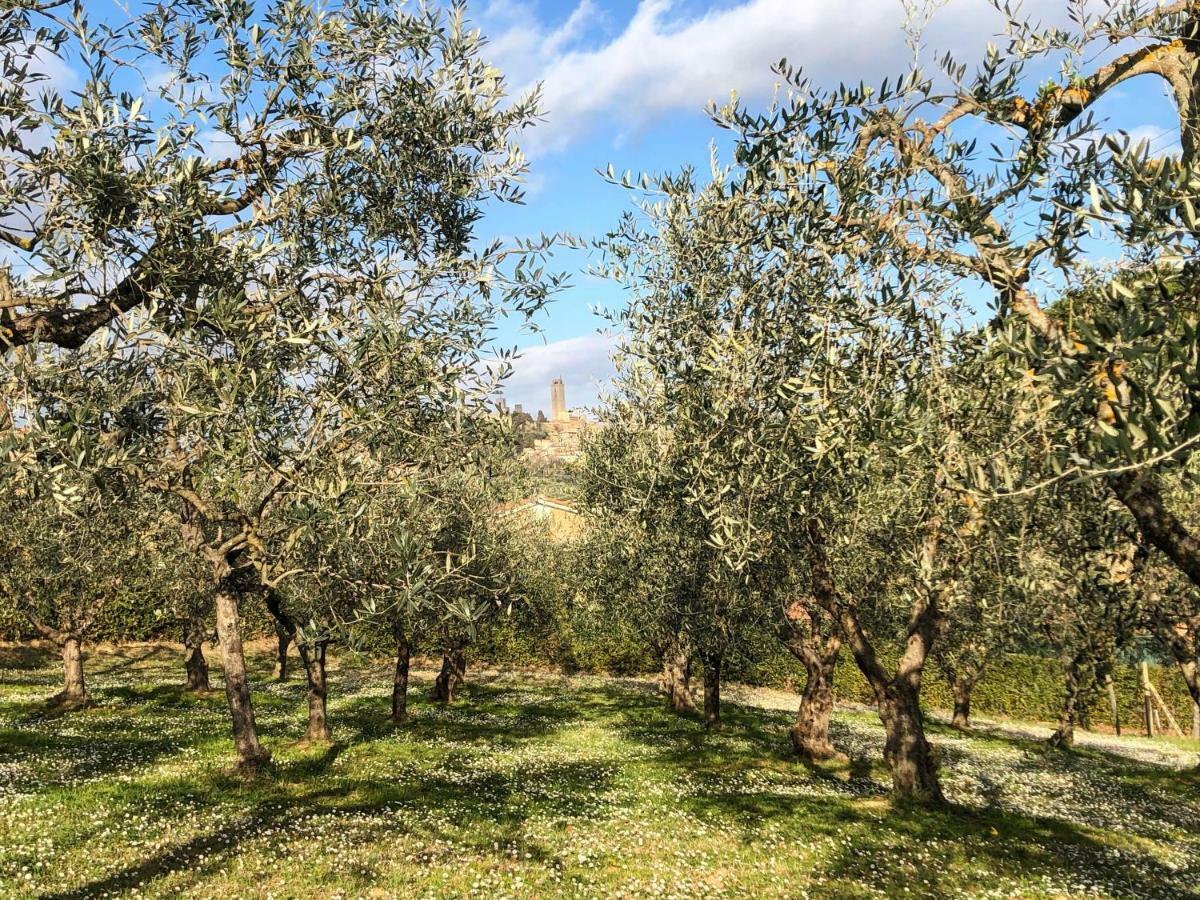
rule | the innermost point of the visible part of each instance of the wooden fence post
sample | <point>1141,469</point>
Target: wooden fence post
<point>1166,710</point>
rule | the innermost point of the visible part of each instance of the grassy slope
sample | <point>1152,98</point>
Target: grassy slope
<point>542,787</point>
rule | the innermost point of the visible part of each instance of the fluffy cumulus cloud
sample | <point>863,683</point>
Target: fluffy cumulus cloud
<point>663,59</point>
<point>583,363</point>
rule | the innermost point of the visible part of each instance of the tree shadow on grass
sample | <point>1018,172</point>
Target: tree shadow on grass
<point>848,804</point>
<point>162,697</point>
<point>445,777</point>
<point>484,810</point>
<point>115,662</point>
<point>995,844</point>
<point>46,761</point>
<point>491,715</point>
<point>1003,736</point>
<point>1167,798</point>
<point>26,657</point>
<point>50,748</point>
<point>200,852</point>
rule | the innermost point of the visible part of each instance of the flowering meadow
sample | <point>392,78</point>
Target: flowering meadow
<point>542,786</point>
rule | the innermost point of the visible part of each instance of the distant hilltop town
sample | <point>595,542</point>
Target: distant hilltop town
<point>554,439</point>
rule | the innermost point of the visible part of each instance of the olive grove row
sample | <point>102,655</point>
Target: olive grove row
<point>817,411</point>
<point>873,388</point>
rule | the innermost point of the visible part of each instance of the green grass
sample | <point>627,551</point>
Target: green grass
<point>542,787</point>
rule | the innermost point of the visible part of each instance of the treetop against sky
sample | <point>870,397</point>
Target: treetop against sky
<point>627,83</point>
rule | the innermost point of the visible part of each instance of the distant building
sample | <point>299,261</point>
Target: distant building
<point>554,439</point>
<point>558,402</point>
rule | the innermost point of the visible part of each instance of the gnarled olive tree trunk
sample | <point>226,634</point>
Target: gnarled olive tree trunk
<point>70,647</point>
<point>1064,734</point>
<point>1083,671</point>
<point>194,663</point>
<point>250,753</point>
<point>400,679</point>
<point>908,755</point>
<point>907,752</point>
<point>810,731</point>
<point>963,673</point>
<point>810,636</point>
<point>677,674</point>
<point>961,686</point>
<point>74,692</point>
<point>313,657</point>
<point>451,676</point>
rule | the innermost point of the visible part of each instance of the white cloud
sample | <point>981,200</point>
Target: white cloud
<point>217,145</point>
<point>661,61</point>
<point>52,73</point>
<point>1159,141</point>
<point>524,47</point>
<point>583,363</point>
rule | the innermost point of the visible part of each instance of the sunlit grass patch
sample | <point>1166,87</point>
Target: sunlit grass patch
<point>535,787</point>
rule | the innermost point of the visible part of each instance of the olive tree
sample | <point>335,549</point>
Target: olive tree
<point>259,303</point>
<point>986,618</point>
<point>477,553</point>
<point>808,386</point>
<point>637,483</point>
<point>811,635</point>
<point>1023,220</point>
<point>632,583</point>
<point>1081,559</point>
<point>64,563</point>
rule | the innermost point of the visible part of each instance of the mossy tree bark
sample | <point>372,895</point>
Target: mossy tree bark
<point>677,674</point>
<point>313,657</point>
<point>451,676</point>
<point>810,636</point>
<point>194,663</point>
<point>400,678</point>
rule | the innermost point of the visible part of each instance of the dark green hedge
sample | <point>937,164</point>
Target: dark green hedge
<point>1018,686</point>
<point>133,619</point>
<point>1015,685</point>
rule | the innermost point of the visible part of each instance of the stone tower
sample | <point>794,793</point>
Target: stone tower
<point>558,402</point>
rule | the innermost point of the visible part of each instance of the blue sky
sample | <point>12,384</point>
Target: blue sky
<point>626,83</point>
